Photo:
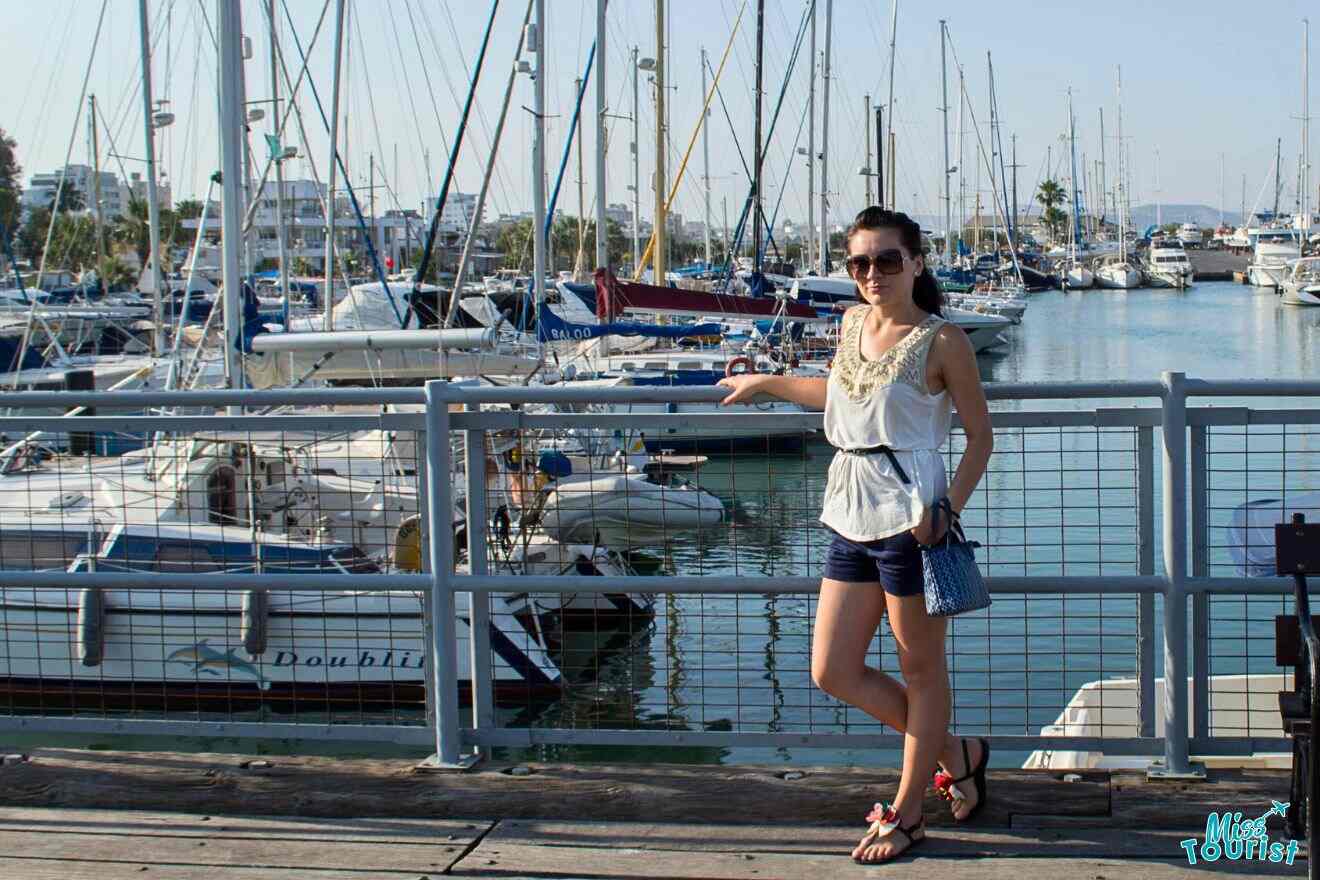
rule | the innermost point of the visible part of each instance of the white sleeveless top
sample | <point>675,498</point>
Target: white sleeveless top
<point>883,402</point>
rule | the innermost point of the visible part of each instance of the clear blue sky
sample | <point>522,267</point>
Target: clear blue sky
<point>1199,80</point>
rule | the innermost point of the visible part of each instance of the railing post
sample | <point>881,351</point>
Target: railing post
<point>483,701</point>
<point>1174,413</point>
<point>1200,503</point>
<point>1146,566</point>
<point>443,647</point>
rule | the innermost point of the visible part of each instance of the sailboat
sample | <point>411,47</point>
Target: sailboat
<point>1075,275</point>
<point>1119,272</point>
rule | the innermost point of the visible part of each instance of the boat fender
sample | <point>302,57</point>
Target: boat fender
<point>739,361</point>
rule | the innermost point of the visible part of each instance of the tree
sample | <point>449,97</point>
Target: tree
<point>70,198</point>
<point>1051,195</point>
<point>32,235</point>
<point>515,242</point>
<point>9,184</point>
<point>188,209</point>
<point>133,229</point>
<point>73,244</point>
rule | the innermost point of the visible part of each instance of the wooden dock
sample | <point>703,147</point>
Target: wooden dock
<point>1217,265</point>
<point>110,815</point>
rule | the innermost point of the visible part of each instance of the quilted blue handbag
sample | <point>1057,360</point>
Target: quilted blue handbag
<point>953,582</point>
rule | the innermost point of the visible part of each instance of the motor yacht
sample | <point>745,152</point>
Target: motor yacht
<point>1167,264</point>
<point>1301,285</point>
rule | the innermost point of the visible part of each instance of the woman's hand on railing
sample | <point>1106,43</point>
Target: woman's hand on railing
<point>744,387</point>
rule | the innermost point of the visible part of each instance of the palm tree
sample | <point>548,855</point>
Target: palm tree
<point>133,229</point>
<point>1051,195</point>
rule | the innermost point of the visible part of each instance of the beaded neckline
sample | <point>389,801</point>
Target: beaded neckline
<point>904,361</point>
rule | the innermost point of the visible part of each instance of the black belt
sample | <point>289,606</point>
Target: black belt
<point>888,453</point>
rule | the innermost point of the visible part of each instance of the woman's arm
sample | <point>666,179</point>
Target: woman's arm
<point>806,391</point>
<point>962,379</point>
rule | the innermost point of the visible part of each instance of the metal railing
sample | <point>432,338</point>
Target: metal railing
<point>1101,517</point>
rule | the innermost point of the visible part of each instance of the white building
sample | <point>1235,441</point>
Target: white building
<point>41,188</point>
<point>398,234</point>
<point>137,185</point>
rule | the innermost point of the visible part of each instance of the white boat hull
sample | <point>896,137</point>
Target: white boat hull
<point>1301,294</point>
<point>190,644</point>
<point>1118,277</point>
<point>625,508</point>
<point>1265,276</point>
<point>1079,278</point>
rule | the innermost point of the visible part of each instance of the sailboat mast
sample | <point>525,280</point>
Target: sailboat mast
<point>962,174</point>
<point>825,145</point>
<point>536,44</point>
<point>889,130</point>
<point>944,110</point>
<point>94,148</point>
<point>661,245</point>
<point>1278,174</point>
<point>231,126</point>
<point>757,210</point>
<point>637,186</point>
<point>279,162</point>
<point>602,238</point>
<point>1122,201</point>
<point>1306,124</point>
<point>811,140</point>
<point>153,203</point>
<point>705,161</point>
<point>868,173</point>
<point>1072,148</point>
<point>334,170</point>
<point>1104,187</point>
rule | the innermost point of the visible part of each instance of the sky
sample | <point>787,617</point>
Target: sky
<point>1202,84</point>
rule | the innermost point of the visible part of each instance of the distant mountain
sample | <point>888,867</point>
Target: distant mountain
<point>1203,215</point>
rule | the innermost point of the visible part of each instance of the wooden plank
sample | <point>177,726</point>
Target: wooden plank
<point>1139,803</point>
<point>513,860</point>
<point>273,855</point>
<point>974,841</point>
<point>450,832</point>
<point>216,785</point>
<point>75,869</point>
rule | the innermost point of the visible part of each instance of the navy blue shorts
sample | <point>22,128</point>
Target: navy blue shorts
<point>893,562</point>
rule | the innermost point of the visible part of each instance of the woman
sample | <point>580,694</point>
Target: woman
<point>899,370</point>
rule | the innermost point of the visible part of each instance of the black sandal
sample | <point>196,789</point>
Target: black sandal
<point>944,782</point>
<point>884,820</point>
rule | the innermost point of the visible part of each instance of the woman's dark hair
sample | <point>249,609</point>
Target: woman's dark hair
<point>925,289</point>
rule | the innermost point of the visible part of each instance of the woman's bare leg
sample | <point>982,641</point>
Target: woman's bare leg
<point>847,617</point>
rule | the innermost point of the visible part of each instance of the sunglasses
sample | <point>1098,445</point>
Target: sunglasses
<point>887,262</point>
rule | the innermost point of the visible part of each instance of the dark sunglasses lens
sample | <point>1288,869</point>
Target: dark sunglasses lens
<point>889,262</point>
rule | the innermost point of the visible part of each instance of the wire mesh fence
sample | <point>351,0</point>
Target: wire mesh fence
<point>635,494</point>
<point>1257,473</point>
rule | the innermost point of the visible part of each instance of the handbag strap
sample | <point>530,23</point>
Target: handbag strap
<point>945,506</point>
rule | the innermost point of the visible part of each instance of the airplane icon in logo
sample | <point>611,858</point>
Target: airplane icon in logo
<point>1280,808</point>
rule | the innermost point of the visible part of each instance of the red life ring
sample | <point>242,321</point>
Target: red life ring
<point>740,361</point>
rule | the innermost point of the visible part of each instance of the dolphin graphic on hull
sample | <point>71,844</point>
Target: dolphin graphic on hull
<point>209,661</point>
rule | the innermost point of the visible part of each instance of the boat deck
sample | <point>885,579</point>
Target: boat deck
<point>111,815</point>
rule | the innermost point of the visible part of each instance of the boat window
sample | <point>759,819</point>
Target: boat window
<point>689,365</point>
<point>653,365</point>
<point>184,555</point>
<point>35,551</point>
<point>629,366</point>
<point>222,496</point>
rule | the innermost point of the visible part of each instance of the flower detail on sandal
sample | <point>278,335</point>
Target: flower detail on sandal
<point>884,818</point>
<point>945,788</point>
